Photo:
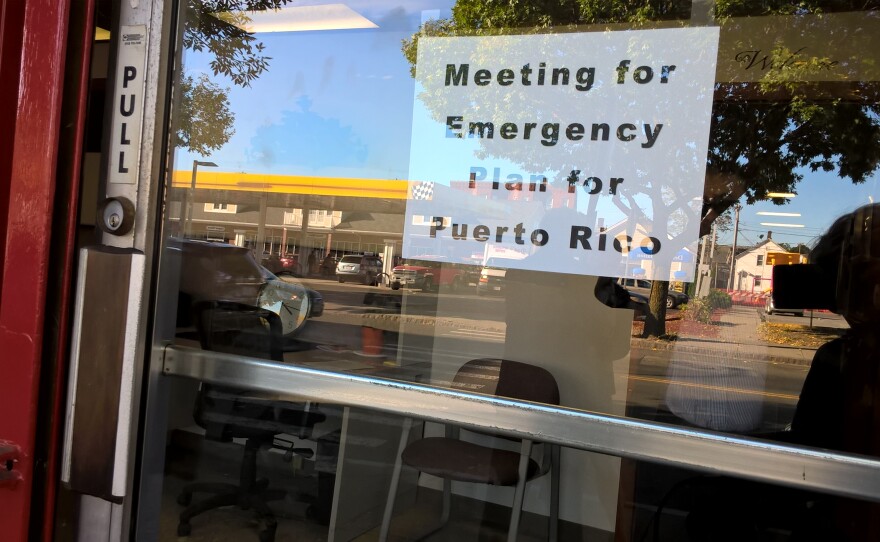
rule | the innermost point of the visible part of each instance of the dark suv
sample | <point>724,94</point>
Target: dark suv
<point>363,268</point>
<point>221,272</point>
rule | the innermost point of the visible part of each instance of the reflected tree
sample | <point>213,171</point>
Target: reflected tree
<point>217,28</point>
<point>764,133</point>
<point>205,124</point>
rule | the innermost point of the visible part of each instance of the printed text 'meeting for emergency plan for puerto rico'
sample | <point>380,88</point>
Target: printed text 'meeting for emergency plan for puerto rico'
<point>572,152</point>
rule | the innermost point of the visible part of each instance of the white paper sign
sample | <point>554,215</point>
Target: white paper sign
<point>128,106</point>
<point>574,153</point>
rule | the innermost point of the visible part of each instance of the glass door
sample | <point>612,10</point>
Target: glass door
<point>462,270</point>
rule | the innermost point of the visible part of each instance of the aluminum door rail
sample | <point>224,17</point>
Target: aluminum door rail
<point>714,453</point>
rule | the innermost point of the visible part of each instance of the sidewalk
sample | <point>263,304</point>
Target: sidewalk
<point>737,340</point>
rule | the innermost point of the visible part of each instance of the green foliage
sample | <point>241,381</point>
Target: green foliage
<point>698,309</point>
<point>757,147</point>
<point>801,249</point>
<point>205,122</point>
<point>486,18</point>
<point>724,222</point>
<point>217,27</point>
<point>483,15</point>
<point>751,8</point>
<point>719,300</point>
<point>442,27</point>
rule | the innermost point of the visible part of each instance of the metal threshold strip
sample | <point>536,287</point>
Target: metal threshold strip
<point>623,437</point>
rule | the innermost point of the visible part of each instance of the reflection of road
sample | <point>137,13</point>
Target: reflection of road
<point>652,373</point>
<point>468,323</point>
<point>477,334</point>
<point>814,318</point>
<point>455,305</point>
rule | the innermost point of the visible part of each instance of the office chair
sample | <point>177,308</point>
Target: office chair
<point>226,413</point>
<point>453,459</point>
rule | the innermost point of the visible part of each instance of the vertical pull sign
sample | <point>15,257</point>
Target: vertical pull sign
<point>128,106</point>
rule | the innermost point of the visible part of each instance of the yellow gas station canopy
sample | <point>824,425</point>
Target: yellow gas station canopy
<point>293,184</point>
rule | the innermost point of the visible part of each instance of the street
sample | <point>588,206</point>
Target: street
<point>810,318</point>
<point>746,385</point>
<point>347,296</point>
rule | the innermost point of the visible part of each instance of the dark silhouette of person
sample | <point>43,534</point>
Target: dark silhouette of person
<point>328,265</point>
<point>838,408</point>
<point>839,405</point>
<point>311,262</point>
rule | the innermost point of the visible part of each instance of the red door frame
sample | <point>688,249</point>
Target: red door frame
<point>33,36</point>
<point>59,293</point>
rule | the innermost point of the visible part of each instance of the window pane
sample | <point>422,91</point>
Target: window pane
<point>594,192</point>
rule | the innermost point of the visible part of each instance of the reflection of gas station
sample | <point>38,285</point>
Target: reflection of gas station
<point>644,263</point>
<point>278,212</point>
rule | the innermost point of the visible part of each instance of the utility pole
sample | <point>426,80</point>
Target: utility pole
<point>698,291</point>
<point>191,197</point>
<point>714,235</point>
<point>736,208</point>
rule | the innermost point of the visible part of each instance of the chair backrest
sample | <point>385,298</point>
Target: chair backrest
<point>236,328</point>
<point>506,378</point>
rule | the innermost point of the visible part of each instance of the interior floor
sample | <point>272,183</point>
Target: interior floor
<point>203,460</point>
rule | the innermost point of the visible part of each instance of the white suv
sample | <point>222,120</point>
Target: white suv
<point>363,268</point>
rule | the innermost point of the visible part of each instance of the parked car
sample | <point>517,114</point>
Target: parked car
<point>281,264</point>
<point>771,308</point>
<point>491,278</point>
<point>611,293</point>
<point>643,287</point>
<point>428,275</point>
<point>363,268</point>
<point>222,272</point>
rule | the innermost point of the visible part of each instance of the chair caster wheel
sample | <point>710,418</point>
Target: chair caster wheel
<point>184,529</point>
<point>184,499</point>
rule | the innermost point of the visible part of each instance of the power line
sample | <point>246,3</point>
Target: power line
<point>747,238</point>
<point>808,235</point>
<point>763,228</point>
<point>778,232</point>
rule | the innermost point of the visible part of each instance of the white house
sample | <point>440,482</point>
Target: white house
<point>752,271</point>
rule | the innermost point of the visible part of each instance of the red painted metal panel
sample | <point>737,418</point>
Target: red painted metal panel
<point>11,15</point>
<point>53,391</point>
<point>26,238</point>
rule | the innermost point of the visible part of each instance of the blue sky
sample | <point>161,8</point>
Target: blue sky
<point>821,198</point>
<point>332,103</point>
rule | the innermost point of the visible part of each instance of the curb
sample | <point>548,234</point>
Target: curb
<point>684,348</point>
